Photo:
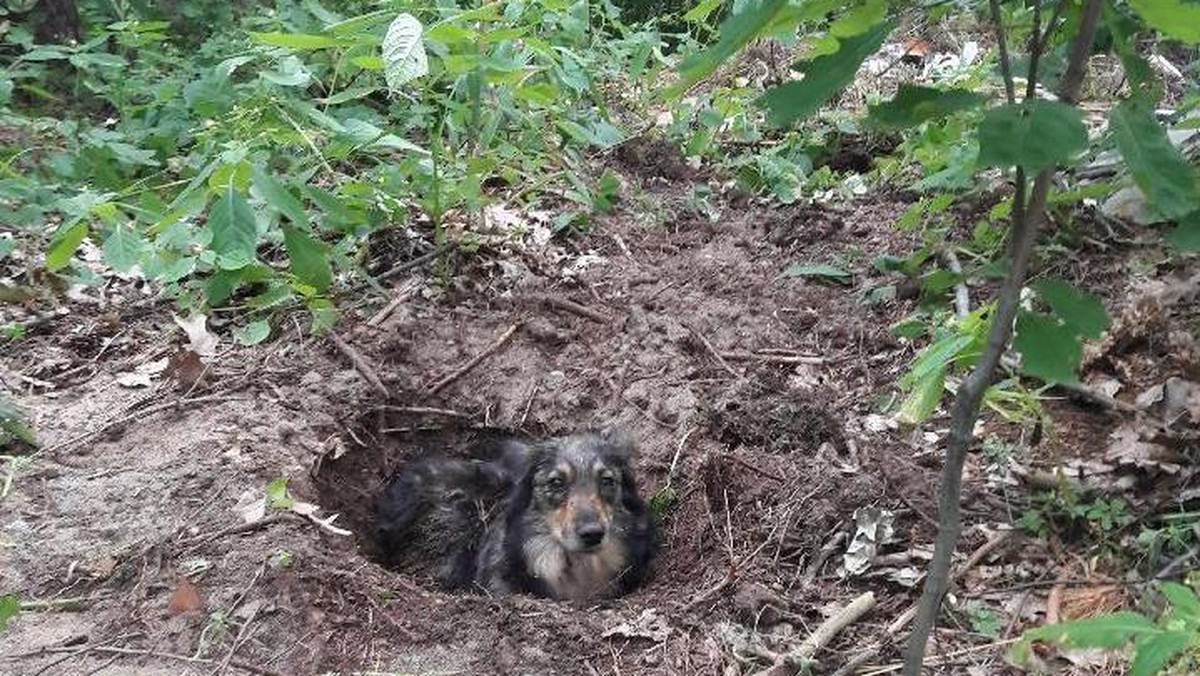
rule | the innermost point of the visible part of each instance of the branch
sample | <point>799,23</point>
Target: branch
<point>1002,45</point>
<point>970,394</point>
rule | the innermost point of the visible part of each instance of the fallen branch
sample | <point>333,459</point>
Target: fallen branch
<point>360,364</point>
<point>404,293</point>
<point>418,261</point>
<point>574,308</point>
<point>423,410</point>
<point>788,663</point>
<point>712,350</point>
<point>773,358</point>
<point>475,361</point>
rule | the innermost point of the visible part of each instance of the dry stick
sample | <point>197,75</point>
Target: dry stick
<point>465,368</point>
<point>419,260</point>
<point>402,294</point>
<point>824,633</point>
<point>140,413</point>
<point>574,308</point>
<point>423,410</point>
<point>239,664</point>
<point>360,364</point>
<point>852,665</point>
<point>978,555</point>
<point>773,358</point>
<point>970,394</point>
<point>712,350</point>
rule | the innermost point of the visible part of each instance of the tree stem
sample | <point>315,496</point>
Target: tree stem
<point>1026,223</point>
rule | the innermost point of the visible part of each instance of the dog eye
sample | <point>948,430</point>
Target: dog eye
<point>608,481</point>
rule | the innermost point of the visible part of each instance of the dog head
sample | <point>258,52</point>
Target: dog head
<point>578,485</point>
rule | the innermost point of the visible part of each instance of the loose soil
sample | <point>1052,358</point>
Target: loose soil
<point>771,458</point>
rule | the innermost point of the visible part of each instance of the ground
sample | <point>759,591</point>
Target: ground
<point>130,530</point>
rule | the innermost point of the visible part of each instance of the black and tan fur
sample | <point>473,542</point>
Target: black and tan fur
<point>560,518</point>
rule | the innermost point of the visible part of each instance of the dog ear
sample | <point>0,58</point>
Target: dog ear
<point>620,441</point>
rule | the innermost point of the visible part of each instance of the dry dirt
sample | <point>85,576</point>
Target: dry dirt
<point>772,460</point>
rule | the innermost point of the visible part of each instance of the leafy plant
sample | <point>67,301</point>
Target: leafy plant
<point>1156,645</point>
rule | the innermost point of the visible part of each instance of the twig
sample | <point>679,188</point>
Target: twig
<point>419,260</point>
<point>239,528</point>
<point>140,413</point>
<point>423,410</point>
<point>712,350</point>
<point>466,368</point>
<point>360,364</point>
<point>72,603</point>
<point>574,308</point>
<point>757,470</point>
<point>823,634</point>
<point>962,295</point>
<point>773,358</point>
<point>827,550</point>
<point>402,294</point>
<point>852,665</point>
<point>113,650</point>
<point>1010,91</point>
<point>969,398</point>
<point>973,560</point>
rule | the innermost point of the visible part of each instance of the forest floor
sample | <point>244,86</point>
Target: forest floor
<point>135,533</point>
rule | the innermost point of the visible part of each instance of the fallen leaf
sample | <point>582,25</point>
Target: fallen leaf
<point>251,507</point>
<point>1182,400</point>
<point>1126,447</point>
<point>873,528</point>
<point>200,340</point>
<point>185,598</point>
<point>1149,397</point>
<point>188,369</point>
<point>649,625</point>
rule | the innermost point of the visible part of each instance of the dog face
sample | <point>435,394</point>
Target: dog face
<point>578,486</point>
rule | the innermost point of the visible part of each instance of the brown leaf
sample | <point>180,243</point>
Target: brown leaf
<point>188,369</point>
<point>185,598</point>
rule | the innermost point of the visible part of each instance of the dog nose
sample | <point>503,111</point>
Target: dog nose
<point>591,534</point>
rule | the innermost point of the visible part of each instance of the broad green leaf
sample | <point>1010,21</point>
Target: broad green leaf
<point>277,494</point>
<point>914,104</point>
<point>63,246</point>
<point>1105,631</point>
<point>298,41</point>
<point>10,606</point>
<point>253,333</point>
<point>1186,237</point>
<point>1159,169</point>
<point>1031,134</point>
<point>123,248</point>
<point>448,34</point>
<point>1049,349</point>
<point>403,52</point>
<point>1155,651</point>
<point>819,271</point>
<point>310,258</point>
<point>923,399</point>
<point>234,231</point>
<point>279,197</point>
<point>701,12</point>
<point>936,357</point>
<point>1183,599</point>
<point>368,62</point>
<point>824,77</point>
<point>859,19</point>
<point>1177,19</point>
<point>736,32</point>
<point>1081,311</point>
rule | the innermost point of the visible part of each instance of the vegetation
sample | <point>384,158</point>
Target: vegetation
<point>262,157</point>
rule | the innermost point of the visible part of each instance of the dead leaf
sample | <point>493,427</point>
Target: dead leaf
<point>1150,397</point>
<point>251,507</point>
<point>188,369</point>
<point>1126,447</point>
<point>1182,399</point>
<point>873,528</point>
<point>649,625</point>
<point>185,598</point>
<point>200,340</point>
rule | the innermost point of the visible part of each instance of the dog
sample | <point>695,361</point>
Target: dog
<point>560,519</point>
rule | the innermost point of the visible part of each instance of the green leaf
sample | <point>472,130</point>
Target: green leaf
<point>1049,349</point>
<point>277,494</point>
<point>1174,18</point>
<point>10,606</point>
<point>1187,236</point>
<point>736,32</point>
<point>310,258</point>
<point>64,245</point>
<point>819,271</point>
<point>403,52</point>
<point>1182,598</point>
<point>1155,651</point>
<point>860,19</point>
<point>234,231</point>
<point>279,197</point>
<point>1032,134</point>
<point>1105,631</point>
<point>123,249</point>
<point>1081,311</point>
<point>253,333</point>
<point>914,104</point>
<point>936,357</point>
<point>700,13</point>
<point>824,77</point>
<point>1157,166</point>
<point>298,41</point>
<point>923,399</point>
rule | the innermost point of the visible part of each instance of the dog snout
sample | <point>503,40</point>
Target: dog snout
<point>591,534</point>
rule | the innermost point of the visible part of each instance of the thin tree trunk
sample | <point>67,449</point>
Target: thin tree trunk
<point>970,395</point>
<point>57,21</point>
